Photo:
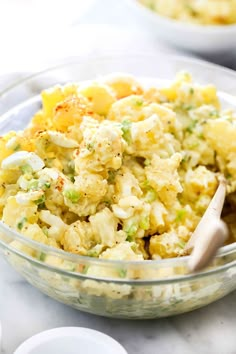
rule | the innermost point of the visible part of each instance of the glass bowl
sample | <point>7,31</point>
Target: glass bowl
<point>135,290</point>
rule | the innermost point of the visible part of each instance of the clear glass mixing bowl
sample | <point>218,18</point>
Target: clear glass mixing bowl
<point>146,289</point>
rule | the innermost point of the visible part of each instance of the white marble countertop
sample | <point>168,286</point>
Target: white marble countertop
<point>24,311</point>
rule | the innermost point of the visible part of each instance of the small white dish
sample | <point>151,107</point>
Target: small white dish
<point>200,39</point>
<point>70,340</point>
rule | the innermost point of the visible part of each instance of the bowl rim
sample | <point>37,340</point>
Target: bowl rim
<point>202,29</point>
<point>223,251</point>
<point>32,343</point>
<point>74,60</point>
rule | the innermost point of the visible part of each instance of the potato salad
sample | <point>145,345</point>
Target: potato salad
<point>203,12</point>
<point>118,170</point>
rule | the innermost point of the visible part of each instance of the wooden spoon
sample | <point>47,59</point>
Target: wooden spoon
<point>211,232</point>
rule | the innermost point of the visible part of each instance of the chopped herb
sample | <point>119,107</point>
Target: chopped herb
<point>45,230</point>
<point>151,195</point>
<point>194,145</point>
<point>26,169</point>
<point>125,127</point>
<point>191,91</point>
<point>42,256</point>
<point>152,6</point>
<point>191,127</point>
<point>111,176</point>
<point>147,162</point>
<point>73,195</point>
<point>71,177</point>
<point>129,239</point>
<point>201,136</point>
<point>107,202</point>
<point>71,170</point>
<point>144,223</point>
<point>187,107</point>
<point>180,215</point>
<point>138,102</point>
<point>49,161</point>
<point>134,247</point>
<point>35,184</point>
<point>145,184</point>
<point>42,206</point>
<point>228,176</point>
<point>122,273</point>
<point>17,147</point>
<point>191,10</point>
<point>21,223</point>
<point>71,166</point>
<point>40,201</point>
<point>90,147</point>
<point>214,114</point>
<point>186,158</point>
<point>85,269</point>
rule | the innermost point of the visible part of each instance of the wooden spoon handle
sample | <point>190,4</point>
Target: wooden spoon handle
<point>211,239</point>
<point>213,212</point>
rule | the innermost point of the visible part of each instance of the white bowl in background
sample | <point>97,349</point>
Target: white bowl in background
<point>70,340</point>
<point>200,39</point>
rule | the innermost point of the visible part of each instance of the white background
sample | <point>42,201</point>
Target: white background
<point>34,33</point>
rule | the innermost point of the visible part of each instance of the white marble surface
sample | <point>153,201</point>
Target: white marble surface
<point>24,311</point>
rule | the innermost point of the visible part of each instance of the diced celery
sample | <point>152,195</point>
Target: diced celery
<point>42,256</point>
<point>33,184</point>
<point>122,273</point>
<point>92,253</point>
<point>131,230</point>
<point>26,169</point>
<point>180,215</point>
<point>151,195</point>
<point>129,239</point>
<point>147,162</point>
<point>144,223</point>
<point>138,102</point>
<point>85,269</point>
<point>191,90</point>
<point>20,224</point>
<point>181,244</point>
<point>47,185</point>
<point>125,127</point>
<point>191,127</point>
<point>17,147</point>
<point>45,230</point>
<point>73,195</point>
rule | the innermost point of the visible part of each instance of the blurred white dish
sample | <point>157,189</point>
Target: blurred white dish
<point>196,38</point>
<point>70,340</point>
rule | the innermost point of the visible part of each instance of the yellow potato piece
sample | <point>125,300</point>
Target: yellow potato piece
<point>100,96</point>
<point>123,85</point>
